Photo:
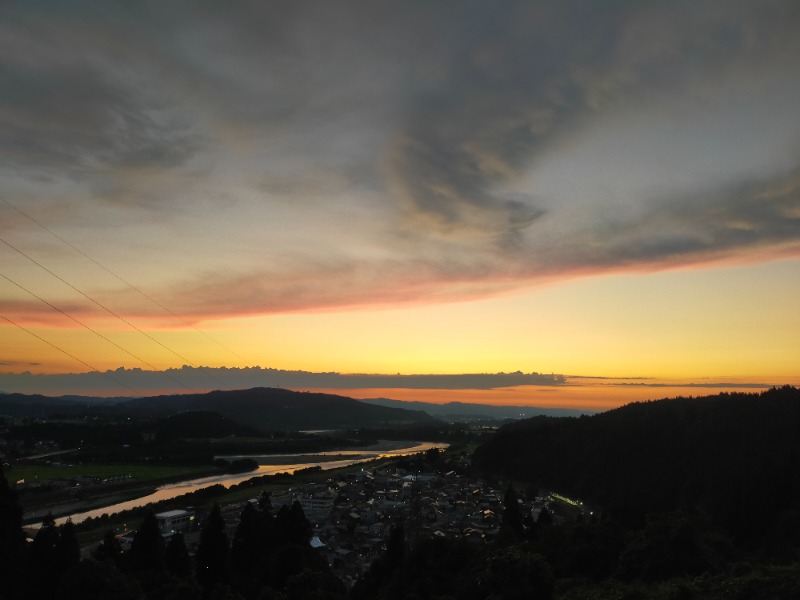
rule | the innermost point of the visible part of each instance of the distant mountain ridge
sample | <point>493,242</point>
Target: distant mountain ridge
<point>262,408</point>
<point>471,412</point>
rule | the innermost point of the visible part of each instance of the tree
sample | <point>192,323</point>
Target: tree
<point>432,456</point>
<point>545,518</point>
<point>91,580</point>
<point>176,556</point>
<point>291,525</point>
<point>516,573</point>
<point>109,549</point>
<point>381,569</point>
<point>212,551</point>
<point>511,528</point>
<point>67,549</point>
<point>248,541</point>
<point>43,566</point>
<point>147,547</point>
<point>265,502</point>
<point>316,585</point>
<point>12,539</point>
<point>396,548</point>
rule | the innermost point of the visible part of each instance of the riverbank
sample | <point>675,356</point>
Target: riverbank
<point>146,495</point>
<point>67,501</point>
<point>92,529</point>
<point>353,453</point>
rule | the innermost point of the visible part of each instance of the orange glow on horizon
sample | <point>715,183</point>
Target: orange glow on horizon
<point>591,396</point>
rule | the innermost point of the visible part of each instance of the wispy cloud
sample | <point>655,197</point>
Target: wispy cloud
<point>304,156</point>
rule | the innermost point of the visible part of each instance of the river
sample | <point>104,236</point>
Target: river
<point>269,464</point>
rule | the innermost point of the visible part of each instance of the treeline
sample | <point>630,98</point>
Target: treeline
<point>187,438</point>
<point>268,556</point>
<point>583,558</point>
<point>730,462</point>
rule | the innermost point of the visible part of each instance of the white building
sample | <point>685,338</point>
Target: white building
<point>175,520</point>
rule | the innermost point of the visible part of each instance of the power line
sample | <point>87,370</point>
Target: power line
<point>127,283</point>
<point>97,333</point>
<point>72,356</point>
<point>105,308</point>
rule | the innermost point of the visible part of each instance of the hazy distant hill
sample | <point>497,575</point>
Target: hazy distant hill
<point>734,458</point>
<point>33,405</point>
<point>260,408</point>
<point>462,411</point>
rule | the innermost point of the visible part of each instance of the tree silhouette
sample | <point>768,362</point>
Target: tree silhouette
<point>43,565</point>
<point>396,548</point>
<point>176,556</point>
<point>248,541</point>
<point>109,549</point>
<point>265,502</point>
<point>67,549</point>
<point>511,527</point>
<point>147,547</point>
<point>545,518</point>
<point>92,580</point>
<point>381,569</point>
<point>291,525</point>
<point>212,551</point>
<point>12,539</point>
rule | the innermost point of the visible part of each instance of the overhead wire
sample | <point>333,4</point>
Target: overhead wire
<point>72,356</point>
<point>123,280</point>
<point>105,308</point>
<point>97,333</point>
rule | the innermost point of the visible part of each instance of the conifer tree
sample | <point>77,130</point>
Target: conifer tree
<point>42,550</point>
<point>511,527</point>
<point>265,502</point>
<point>12,539</point>
<point>43,567</point>
<point>299,529</point>
<point>176,556</point>
<point>147,548</point>
<point>396,548</point>
<point>212,551</point>
<point>67,549</point>
<point>109,549</point>
<point>248,541</point>
<point>545,518</point>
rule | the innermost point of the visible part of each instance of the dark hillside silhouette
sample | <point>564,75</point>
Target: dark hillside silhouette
<point>277,409</point>
<point>733,459</point>
<point>265,409</point>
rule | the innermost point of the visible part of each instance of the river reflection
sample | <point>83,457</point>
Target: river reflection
<point>270,464</point>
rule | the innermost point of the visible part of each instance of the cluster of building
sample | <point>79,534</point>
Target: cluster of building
<point>353,515</point>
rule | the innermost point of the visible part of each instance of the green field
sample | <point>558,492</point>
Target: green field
<point>137,472</point>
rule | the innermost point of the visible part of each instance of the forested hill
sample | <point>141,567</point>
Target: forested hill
<point>278,409</point>
<point>266,409</point>
<point>734,458</point>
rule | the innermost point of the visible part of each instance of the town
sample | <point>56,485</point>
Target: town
<point>354,512</point>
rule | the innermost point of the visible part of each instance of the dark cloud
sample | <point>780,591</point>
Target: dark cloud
<point>202,377</point>
<point>439,110</point>
<point>18,363</point>
<point>739,218</point>
<point>71,106</point>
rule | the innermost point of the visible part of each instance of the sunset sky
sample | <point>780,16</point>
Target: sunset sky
<point>596,189</point>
